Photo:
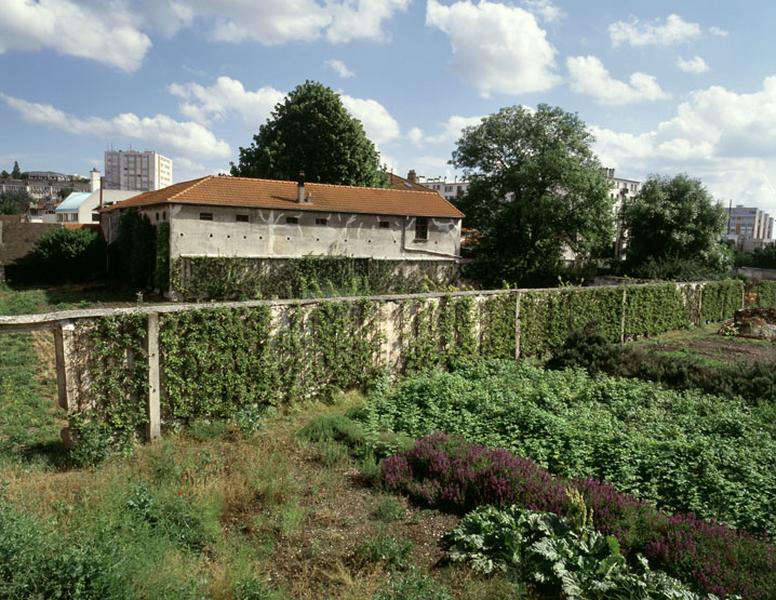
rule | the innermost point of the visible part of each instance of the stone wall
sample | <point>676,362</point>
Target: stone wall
<point>17,240</point>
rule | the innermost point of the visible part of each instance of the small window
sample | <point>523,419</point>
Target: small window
<point>164,215</point>
<point>157,217</point>
<point>384,225</point>
<point>292,220</point>
<point>96,217</point>
<point>242,218</point>
<point>421,228</point>
<point>320,221</point>
<point>205,216</point>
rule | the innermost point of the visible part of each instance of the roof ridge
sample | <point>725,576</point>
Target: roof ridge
<point>194,183</point>
<point>335,185</point>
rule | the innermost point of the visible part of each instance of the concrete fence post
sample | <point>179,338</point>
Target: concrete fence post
<point>64,350</point>
<point>154,404</point>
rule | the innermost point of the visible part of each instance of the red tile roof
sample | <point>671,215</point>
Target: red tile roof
<point>277,194</point>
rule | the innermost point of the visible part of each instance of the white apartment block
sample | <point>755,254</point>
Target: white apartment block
<point>620,190</point>
<point>749,227</point>
<point>449,190</point>
<point>145,171</point>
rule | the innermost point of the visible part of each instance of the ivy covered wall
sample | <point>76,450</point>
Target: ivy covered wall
<point>222,361</point>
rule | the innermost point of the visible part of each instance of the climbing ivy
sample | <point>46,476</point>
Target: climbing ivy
<point>114,378</point>
<point>721,299</point>
<point>439,332</point>
<point>764,294</point>
<point>497,326</point>
<point>236,278</point>
<point>162,268</point>
<point>653,309</point>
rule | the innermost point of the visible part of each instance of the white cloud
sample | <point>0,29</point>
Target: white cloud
<point>675,30</point>
<point>379,125</point>
<point>205,103</point>
<point>272,22</point>
<point>496,47</point>
<point>106,36</point>
<point>451,131</point>
<point>228,96</point>
<point>340,68</point>
<point>590,77</point>
<point>545,10</point>
<point>719,135</point>
<point>718,31</point>
<point>159,131</point>
<point>692,65</point>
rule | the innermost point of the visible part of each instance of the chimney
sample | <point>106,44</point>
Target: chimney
<point>94,183</point>
<point>412,177</point>
<point>300,198</point>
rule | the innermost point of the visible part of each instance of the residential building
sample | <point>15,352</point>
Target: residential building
<point>410,183</point>
<point>134,170</point>
<point>621,190</point>
<point>84,207</point>
<point>749,227</point>
<point>449,190</point>
<point>270,220</point>
<point>44,185</point>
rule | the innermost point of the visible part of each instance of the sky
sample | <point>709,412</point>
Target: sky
<point>665,86</point>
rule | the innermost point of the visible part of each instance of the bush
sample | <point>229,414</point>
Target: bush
<point>754,382</point>
<point>387,549</point>
<point>681,450</point>
<point>556,557</point>
<point>445,472</point>
<point>74,255</point>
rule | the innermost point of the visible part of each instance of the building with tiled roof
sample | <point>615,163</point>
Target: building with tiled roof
<point>263,219</point>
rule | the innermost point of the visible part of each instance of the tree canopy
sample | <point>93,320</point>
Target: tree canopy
<point>536,189</point>
<point>14,202</point>
<point>675,228</point>
<point>16,172</point>
<point>311,131</point>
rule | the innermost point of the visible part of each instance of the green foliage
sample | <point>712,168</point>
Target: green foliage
<point>388,510</point>
<point>37,563</point>
<point>413,585</point>
<point>337,428</point>
<point>675,219</point>
<point>653,309</point>
<point>760,258</point>
<point>234,278</point>
<point>764,294</point>
<point>536,188</point>
<point>312,131</point>
<point>162,268</point>
<point>16,172</point>
<point>556,557</point>
<point>386,549</point>
<point>66,255</point>
<point>721,299</point>
<point>14,202</point>
<point>497,323</point>
<point>681,450</point>
<point>438,333</point>
<point>754,382</point>
<point>137,248</point>
<point>114,414</point>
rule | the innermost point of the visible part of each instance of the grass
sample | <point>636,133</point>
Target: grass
<point>280,513</point>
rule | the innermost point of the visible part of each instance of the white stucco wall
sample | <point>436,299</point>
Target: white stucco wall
<point>267,234</point>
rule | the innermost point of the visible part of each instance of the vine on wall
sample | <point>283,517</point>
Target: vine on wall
<point>162,267</point>
<point>653,309</point>
<point>764,294</point>
<point>721,299</point>
<point>236,278</point>
<point>497,326</point>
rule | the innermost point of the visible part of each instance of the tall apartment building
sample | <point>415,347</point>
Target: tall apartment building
<point>134,170</point>
<point>620,190</point>
<point>749,227</point>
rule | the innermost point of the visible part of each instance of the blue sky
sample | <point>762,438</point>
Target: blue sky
<point>665,87</point>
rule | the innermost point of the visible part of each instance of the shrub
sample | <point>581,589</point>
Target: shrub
<point>65,255</point>
<point>445,472</point>
<point>388,510</point>
<point>681,450</point>
<point>754,382</point>
<point>413,585</point>
<point>556,557</point>
<point>337,428</point>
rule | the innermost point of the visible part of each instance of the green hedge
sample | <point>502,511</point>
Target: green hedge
<point>653,309</point>
<point>763,293</point>
<point>721,299</point>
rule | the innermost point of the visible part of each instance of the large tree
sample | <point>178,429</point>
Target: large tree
<point>311,131</point>
<point>16,172</point>
<point>14,203</point>
<point>675,226</point>
<point>536,190</point>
